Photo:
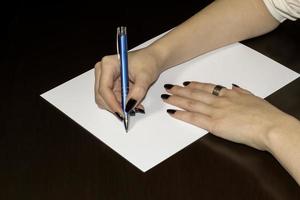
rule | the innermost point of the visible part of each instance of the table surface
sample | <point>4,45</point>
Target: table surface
<point>46,155</point>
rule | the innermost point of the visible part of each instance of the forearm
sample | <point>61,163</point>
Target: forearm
<point>221,23</point>
<point>284,144</point>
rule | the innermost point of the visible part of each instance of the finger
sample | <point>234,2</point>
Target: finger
<point>118,94</point>
<point>205,87</point>
<point>239,89</point>
<point>140,109</point>
<point>110,100</point>
<point>188,104</point>
<point>98,99</point>
<point>109,73</point>
<point>191,93</point>
<point>137,92</point>
<point>197,119</point>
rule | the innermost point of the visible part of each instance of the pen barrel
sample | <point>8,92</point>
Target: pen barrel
<point>124,68</point>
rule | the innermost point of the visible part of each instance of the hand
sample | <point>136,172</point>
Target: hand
<point>236,114</point>
<point>143,71</point>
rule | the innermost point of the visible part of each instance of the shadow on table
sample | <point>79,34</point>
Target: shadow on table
<point>268,172</point>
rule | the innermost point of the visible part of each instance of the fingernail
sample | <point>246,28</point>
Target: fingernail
<point>139,110</point>
<point>132,113</point>
<point>168,86</point>
<point>171,111</point>
<point>119,116</point>
<point>235,85</point>
<point>186,83</point>
<point>164,96</point>
<point>130,104</point>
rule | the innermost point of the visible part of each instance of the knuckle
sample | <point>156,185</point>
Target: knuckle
<point>99,103</point>
<point>194,94</point>
<point>98,65</point>
<point>190,104</point>
<point>106,60</point>
<point>221,101</point>
<point>98,98</point>
<point>101,90</point>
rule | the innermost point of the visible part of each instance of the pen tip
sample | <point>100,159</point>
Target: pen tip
<point>126,124</point>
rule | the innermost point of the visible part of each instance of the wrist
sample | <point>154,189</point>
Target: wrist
<point>282,133</point>
<point>160,56</point>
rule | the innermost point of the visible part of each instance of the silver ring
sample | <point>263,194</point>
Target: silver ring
<point>217,89</point>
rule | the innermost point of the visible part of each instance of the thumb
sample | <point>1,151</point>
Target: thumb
<point>137,92</point>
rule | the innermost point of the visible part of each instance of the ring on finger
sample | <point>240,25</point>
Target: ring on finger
<point>217,89</point>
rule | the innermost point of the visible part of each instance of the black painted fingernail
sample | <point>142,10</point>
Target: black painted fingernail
<point>119,116</point>
<point>186,83</point>
<point>235,85</point>
<point>130,104</point>
<point>132,113</point>
<point>140,110</point>
<point>164,96</point>
<point>168,86</point>
<point>171,111</point>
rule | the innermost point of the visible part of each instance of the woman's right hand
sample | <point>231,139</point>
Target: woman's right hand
<point>143,69</point>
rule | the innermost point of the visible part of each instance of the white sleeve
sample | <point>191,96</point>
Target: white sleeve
<point>284,9</point>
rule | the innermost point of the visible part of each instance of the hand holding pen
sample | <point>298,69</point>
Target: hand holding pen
<point>142,72</point>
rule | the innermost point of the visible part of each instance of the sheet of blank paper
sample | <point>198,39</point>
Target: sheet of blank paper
<point>155,136</point>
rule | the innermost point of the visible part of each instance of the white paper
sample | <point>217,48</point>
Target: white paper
<point>156,136</point>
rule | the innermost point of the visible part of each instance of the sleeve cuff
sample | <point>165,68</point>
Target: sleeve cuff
<point>273,11</point>
<point>284,9</point>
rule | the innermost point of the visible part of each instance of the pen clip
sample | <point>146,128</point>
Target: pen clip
<point>118,36</point>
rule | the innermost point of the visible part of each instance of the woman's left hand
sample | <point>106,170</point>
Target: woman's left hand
<point>235,114</point>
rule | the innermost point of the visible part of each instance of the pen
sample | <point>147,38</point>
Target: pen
<point>122,54</point>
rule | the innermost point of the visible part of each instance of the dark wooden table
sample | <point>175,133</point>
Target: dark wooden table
<point>45,155</point>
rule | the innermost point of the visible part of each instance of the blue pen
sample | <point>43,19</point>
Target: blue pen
<point>122,53</point>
